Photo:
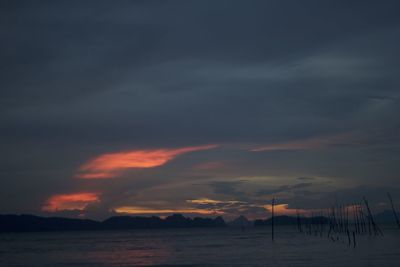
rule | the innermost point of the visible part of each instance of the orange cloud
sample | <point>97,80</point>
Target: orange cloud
<point>143,210</point>
<point>110,165</point>
<point>96,175</point>
<point>74,201</point>
<point>283,209</point>
<point>206,201</point>
<point>311,143</point>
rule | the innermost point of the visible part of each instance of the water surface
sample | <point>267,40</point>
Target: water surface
<point>196,247</point>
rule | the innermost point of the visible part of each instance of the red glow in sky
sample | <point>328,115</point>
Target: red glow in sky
<point>144,210</point>
<point>283,209</point>
<point>110,165</point>
<point>74,201</point>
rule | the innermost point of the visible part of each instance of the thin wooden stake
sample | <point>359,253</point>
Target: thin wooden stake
<point>272,219</point>
<point>377,230</point>
<point>394,210</point>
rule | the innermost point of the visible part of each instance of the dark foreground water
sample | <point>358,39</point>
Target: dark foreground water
<point>196,247</point>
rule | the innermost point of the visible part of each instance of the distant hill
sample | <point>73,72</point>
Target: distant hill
<point>289,220</point>
<point>31,223</point>
<point>240,221</point>
<point>386,217</point>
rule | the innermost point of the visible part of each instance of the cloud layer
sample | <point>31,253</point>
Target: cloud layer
<point>111,164</point>
<point>99,90</point>
<point>74,201</point>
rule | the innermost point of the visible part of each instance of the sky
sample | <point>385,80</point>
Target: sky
<point>203,108</point>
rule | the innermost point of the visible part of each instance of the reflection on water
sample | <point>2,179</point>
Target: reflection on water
<point>130,251</point>
<point>183,247</point>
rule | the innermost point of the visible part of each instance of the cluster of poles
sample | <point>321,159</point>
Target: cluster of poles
<point>340,222</point>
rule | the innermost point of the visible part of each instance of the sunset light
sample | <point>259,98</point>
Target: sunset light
<point>111,164</point>
<point>283,209</point>
<point>74,201</point>
<point>200,133</point>
<point>143,210</point>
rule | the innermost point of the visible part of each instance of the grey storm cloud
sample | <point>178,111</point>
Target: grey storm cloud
<point>283,188</point>
<point>82,78</point>
<point>226,187</point>
<point>306,178</point>
<point>345,196</point>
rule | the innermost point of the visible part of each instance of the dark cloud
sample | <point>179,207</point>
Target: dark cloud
<point>306,178</point>
<point>226,187</point>
<point>283,188</point>
<point>83,78</point>
<point>346,196</point>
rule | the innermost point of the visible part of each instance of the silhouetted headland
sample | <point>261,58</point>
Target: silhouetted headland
<point>31,223</point>
<point>289,220</point>
<point>240,221</point>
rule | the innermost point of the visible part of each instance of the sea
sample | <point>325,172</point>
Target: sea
<point>228,246</point>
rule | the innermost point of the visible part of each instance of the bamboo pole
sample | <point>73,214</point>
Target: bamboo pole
<point>394,210</point>
<point>272,219</point>
<point>376,228</point>
<point>298,221</point>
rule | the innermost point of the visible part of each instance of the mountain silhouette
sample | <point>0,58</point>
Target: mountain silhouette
<point>31,223</point>
<point>289,220</point>
<point>385,216</point>
<point>240,221</point>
